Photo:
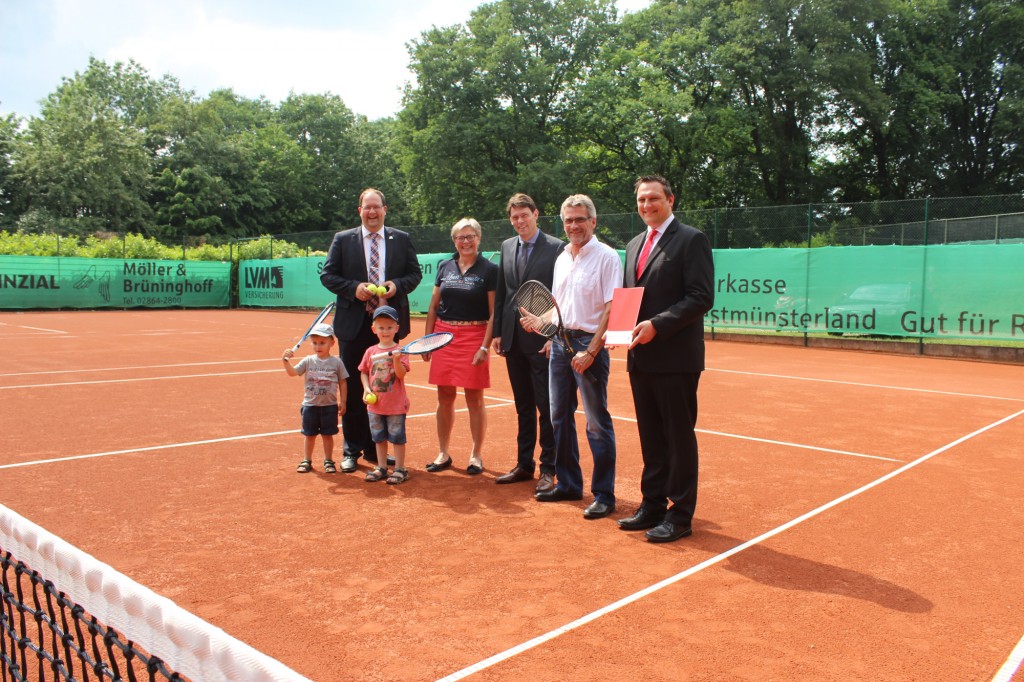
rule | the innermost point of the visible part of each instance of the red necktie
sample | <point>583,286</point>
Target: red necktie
<point>641,262</point>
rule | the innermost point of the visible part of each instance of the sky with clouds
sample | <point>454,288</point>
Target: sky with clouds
<point>356,50</point>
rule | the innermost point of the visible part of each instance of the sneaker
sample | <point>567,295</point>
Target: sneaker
<point>348,464</point>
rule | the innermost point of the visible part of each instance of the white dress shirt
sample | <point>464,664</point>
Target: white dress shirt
<point>584,285</point>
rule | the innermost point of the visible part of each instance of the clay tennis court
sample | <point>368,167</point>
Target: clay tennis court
<point>860,516</point>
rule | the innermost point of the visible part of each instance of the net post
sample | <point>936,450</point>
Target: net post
<point>927,207</point>
<point>810,223</point>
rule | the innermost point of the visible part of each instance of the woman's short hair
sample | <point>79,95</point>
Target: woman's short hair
<point>467,222</point>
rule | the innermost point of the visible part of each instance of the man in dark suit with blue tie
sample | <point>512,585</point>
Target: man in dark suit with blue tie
<point>365,255</point>
<point>529,255</point>
<point>673,263</point>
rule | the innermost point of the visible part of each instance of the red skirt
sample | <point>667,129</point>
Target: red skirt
<point>453,364</point>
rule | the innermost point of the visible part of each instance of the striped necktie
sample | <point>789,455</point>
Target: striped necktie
<point>374,270</point>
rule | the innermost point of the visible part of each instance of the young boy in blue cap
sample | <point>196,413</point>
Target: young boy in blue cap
<point>385,397</point>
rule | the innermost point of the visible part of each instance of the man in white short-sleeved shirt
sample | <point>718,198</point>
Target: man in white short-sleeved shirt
<point>586,275</point>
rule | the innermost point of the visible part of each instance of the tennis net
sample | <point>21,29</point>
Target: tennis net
<point>64,615</point>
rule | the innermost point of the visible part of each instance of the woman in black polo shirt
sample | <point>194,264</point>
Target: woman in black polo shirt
<point>462,303</point>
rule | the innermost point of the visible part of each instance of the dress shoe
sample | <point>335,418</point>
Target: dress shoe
<point>546,482</point>
<point>348,464</point>
<point>668,532</point>
<point>434,467</point>
<point>598,510</point>
<point>371,457</point>
<point>515,476</point>
<point>642,520</point>
<point>557,495</point>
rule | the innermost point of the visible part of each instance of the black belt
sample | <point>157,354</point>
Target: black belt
<point>577,333</point>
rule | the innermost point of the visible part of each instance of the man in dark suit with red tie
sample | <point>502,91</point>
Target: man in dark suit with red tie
<point>529,255</point>
<point>365,255</point>
<point>673,263</point>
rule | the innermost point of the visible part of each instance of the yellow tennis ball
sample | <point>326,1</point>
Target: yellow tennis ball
<point>381,290</point>
<point>370,398</point>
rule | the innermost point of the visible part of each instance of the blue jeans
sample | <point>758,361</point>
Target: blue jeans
<point>387,428</point>
<point>563,383</point>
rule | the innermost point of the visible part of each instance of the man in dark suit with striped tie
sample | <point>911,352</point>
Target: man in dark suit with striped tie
<point>365,255</point>
<point>673,263</point>
<point>529,255</point>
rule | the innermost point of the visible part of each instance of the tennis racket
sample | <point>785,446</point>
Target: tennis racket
<point>537,300</point>
<point>420,346</point>
<point>319,318</point>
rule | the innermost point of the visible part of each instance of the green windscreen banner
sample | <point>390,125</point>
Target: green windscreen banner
<point>295,282</point>
<point>53,282</point>
<point>944,291</point>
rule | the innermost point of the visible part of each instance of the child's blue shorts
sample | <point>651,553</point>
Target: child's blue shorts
<point>387,427</point>
<point>319,420</point>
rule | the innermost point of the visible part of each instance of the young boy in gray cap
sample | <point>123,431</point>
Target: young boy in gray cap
<point>321,408</point>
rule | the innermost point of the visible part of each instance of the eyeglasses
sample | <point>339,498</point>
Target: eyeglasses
<point>466,238</point>
<point>575,221</point>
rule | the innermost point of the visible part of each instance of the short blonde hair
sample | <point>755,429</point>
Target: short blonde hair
<point>467,222</point>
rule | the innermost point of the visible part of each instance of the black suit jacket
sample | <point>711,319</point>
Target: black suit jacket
<point>678,289</point>
<point>345,269</point>
<point>541,267</point>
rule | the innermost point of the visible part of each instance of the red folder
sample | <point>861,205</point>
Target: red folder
<point>622,320</point>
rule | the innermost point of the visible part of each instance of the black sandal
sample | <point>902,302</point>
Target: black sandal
<point>377,474</point>
<point>329,467</point>
<point>399,476</point>
<point>305,466</point>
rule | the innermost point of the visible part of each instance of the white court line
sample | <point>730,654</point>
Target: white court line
<point>146,449</point>
<point>170,446</point>
<point>230,362</point>
<point>797,445</point>
<point>129,381</point>
<point>775,442</point>
<point>1012,664</point>
<point>38,329</point>
<point>122,369</point>
<point>854,383</point>
<point>780,442</point>
<point>502,402</point>
<point>866,385</point>
<point>636,596</point>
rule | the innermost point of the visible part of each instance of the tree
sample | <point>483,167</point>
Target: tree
<point>376,160</point>
<point>487,114</point>
<point>206,178</point>
<point>86,159</point>
<point>9,126</point>
<point>327,130</point>
<point>81,162</point>
<point>979,142</point>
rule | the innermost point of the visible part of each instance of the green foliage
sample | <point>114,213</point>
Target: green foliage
<point>740,103</point>
<point>488,114</point>
<point>818,239</point>
<point>267,247</point>
<point>8,189</point>
<point>104,245</point>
